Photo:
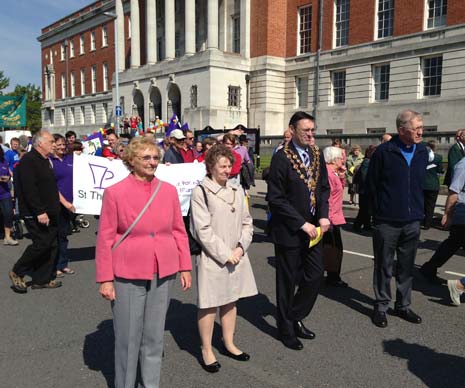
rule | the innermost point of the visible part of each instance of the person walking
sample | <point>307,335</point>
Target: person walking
<point>431,186</point>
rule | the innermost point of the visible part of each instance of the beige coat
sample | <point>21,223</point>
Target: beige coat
<point>219,230</point>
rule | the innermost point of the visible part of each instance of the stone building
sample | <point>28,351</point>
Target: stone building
<point>352,63</point>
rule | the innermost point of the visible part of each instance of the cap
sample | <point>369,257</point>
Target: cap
<point>177,134</point>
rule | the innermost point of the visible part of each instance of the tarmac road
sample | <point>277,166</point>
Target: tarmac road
<point>64,337</point>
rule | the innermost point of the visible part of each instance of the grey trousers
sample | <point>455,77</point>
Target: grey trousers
<point>390,239</point>
<point>139,313</point>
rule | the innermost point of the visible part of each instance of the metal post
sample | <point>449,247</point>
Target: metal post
<point>316,90</point>
<point>66,84</point>
<point>114,16</point>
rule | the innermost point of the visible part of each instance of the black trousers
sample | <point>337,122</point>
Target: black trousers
<point>430,203</point>
<point>364,212</point>
<point>447,248</point>
<point>300,268</point>
<point>38,259</point>
<point>389,240</point>
<point>334,235</point>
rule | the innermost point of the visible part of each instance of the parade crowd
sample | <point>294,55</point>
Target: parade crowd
<point>144,242</point>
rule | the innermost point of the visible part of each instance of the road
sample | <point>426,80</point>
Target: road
<point>64,337</point>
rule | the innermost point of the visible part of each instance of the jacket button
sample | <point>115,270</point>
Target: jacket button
<point>152,234</point>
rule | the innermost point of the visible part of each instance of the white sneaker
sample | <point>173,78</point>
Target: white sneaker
<point>454,292</point>
<point>10,241</point>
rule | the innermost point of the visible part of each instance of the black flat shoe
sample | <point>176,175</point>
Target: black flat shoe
<point>302,332</point>
<point>408,315</point>
<point>379,319</point>
<point>238,357</point>
<point>336,283</point>
<point>292,343</point>
<point>211,368</point>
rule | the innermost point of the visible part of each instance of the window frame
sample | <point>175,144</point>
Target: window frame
<point>82,42</point>
<point>436,21</point>
<point>427,80</point>
<point>93,41</point>
<point>301,92</point>
<point>335,88</point>
<point>389,12</point>
<point>234,96</point>
<point>378,94</point>
<point>104,36</point>
<point>301,50</point>
<point>83,81</point>
<point>341,26</point>
<point>93,76</point>
<point>106,81</point>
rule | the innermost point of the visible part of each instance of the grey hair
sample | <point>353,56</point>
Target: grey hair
<point>404,118</point>
<point>38,137</point>
<point>332,153</point>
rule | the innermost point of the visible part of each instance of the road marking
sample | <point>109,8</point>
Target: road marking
<point>359,254</point>
<point>455,273</point>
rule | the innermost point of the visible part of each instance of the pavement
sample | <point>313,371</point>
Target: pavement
<point>64,337</point>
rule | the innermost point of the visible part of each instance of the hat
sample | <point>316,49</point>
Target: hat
<point>177,134</point>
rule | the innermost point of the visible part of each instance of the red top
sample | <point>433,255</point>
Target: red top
<point>236,167</point>
<point>188,155</point>
<point>107,153</point>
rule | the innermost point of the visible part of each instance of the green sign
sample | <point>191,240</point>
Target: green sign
<point>13,111</point>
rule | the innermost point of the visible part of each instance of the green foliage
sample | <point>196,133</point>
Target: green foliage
<point>4,82</point>
<point>34,103</point>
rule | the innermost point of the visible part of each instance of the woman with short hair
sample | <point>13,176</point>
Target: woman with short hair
<point>354,159</point>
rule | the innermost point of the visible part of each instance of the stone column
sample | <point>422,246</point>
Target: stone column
<point>135,34</point>
<point>151,23</point>
<point>245,28</point>
<point>169,30</point>
<point>190,26</point>
<point>120,36</point>
<point>212,39</point>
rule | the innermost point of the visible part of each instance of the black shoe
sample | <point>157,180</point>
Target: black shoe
<point>408,315</point>
<point>210,368</point>
<point>431,275</point>
<point>379,319</point>
<point>238,357</point>
<point>302,332</point>
<point>336,283</point>
<point>291,343</point>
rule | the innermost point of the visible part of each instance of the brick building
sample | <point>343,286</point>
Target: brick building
<point>353,63</point>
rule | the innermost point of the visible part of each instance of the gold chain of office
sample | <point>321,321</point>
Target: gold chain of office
<point>310,174</point>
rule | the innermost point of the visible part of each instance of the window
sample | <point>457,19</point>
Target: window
<point>432,76</point>
<point>334,131</point>
<point>71,116</point>
<point>342,22</point>
<point>105,112</point>
<point>339,87</point>
<point>71,48</point>
<point>194,96</point>
<point>93,113</point>
<point>92,41</point>
<point>236,33</point>
<point>51,116</point>
<point>301,87</point>
<point>381,82</point>
<point>437,12</point>
<point>385,18</point>
<point>63,116</point>
<point>305,30</point>
<point>83,82</point>
<point>83,114</point>
<point>105,77</point>
<point>430,128</point>
<point>73,84</point>
<point>81,45</point>
<point>63,86</point>
<point>234,96</point>
<point>63,51</point>
<point>177,48</point>
<point>376,131</point>
<point>104,36</point>
<point>94,78</point>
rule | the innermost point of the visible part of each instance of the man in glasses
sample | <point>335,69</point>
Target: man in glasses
<point>187,151</point>
<point>173,153</point>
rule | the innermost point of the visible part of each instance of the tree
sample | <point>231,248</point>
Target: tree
<point>4,82</point>
<point>34,104</point>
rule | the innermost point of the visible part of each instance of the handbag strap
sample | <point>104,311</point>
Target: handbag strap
<point>137,218</point>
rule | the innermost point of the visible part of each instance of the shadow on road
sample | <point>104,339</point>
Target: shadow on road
<point>434,369</point>
<point>350,297</point>
<point>99,352</point>
<point>81,254</point>
<point>255,309</point>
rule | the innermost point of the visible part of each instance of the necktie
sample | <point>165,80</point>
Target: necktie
<point>306,159</point>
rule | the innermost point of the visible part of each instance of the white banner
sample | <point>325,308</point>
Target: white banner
<point>93,174</point>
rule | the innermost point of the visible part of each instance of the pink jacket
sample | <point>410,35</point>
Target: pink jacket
<point>336,216</point>
<point>158,243</point>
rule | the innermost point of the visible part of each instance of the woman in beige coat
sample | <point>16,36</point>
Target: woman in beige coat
<point>221,223</point>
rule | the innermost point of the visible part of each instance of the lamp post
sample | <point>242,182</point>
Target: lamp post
<point>114,16</point>
<point>66,84</point>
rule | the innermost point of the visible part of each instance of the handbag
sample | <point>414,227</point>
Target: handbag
<point>332,255</point>
<point>125,234</point>
<point>194,246</point>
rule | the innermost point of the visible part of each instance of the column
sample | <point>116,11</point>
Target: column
<point>245,28</point>
<point>120,36</point>
<point>212,37</point>
<point>151,31</point>
<point>190,27</point>
<point>169,30</point>
<point>135,34</point>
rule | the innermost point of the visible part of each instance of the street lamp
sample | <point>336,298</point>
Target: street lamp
<point>114,16</point>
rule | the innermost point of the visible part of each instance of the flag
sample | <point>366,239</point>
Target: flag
<point>174,124</point>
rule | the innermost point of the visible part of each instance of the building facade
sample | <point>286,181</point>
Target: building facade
<point>352,63</point>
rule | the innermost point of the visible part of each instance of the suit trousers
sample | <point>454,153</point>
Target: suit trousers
<point>447,248</point>
<point>139,313</point>
<point>38,258</point>
<point>389,240</point>
<point>431,197</point>
<point>301,268</point>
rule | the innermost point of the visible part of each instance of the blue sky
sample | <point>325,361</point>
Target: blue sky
<point>21,23</point>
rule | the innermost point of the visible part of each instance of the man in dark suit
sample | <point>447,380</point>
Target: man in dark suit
<point>298,193</point>
<point>455,154</point>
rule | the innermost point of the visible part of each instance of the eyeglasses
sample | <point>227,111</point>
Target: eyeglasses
<point>190,138</point>
<point>148,158</point>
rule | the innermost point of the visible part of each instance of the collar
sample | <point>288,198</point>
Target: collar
<point>299,149</point>
<point>214,187</point>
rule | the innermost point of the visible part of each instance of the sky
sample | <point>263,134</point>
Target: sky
<point>21,23</point>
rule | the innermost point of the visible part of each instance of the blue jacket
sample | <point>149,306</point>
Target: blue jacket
<point>395,188</point>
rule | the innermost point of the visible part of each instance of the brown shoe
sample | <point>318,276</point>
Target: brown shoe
<point>50,284</point>
<point>17,283</point>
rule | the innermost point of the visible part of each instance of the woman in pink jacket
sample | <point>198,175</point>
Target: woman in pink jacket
<point>137,274</point>
<point>334,159</point>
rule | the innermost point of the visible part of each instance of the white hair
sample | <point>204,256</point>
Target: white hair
<point>332,153</point>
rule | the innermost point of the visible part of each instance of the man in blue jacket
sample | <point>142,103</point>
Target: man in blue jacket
<point>395,183</point>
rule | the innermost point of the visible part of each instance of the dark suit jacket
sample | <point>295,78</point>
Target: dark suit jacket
<point>453,157</point>
<point>289,200</point>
